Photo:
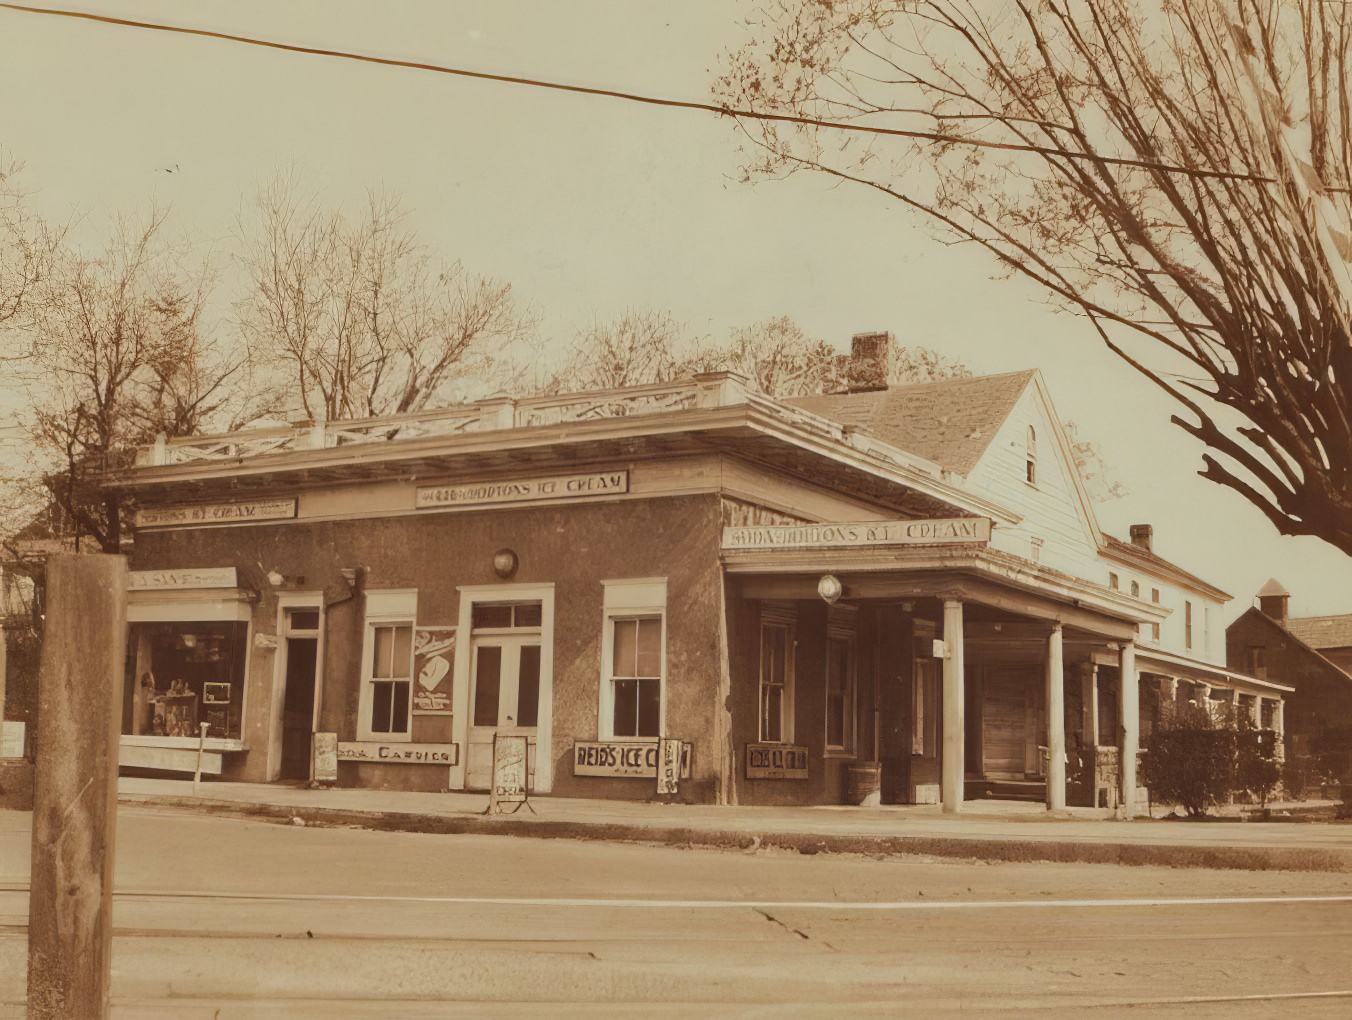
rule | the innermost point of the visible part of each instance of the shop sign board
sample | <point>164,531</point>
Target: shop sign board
<point>625,758</point>
<point>669,758</point>
<point>398,753</point>
<point>163,580</point>
<point>776,761</point>
<point>215,513</point>
<point>948,531</point>
<point>520,490</point>
<point>326,757</point>
<point>511,756</point>
<point>11,739</point>
<point>433,664</point>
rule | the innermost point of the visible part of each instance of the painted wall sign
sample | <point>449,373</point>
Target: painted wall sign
<point>519,490</point>
<point>433,664</point>
<point>510,768</point>
<point>215,513</point>
<point>776,761</point>
<point>951,531</point>
<point>325,749</point>
<point>159,580</point>
<point>11,739</point>
<point>398,753</point>
<point>637,758</point>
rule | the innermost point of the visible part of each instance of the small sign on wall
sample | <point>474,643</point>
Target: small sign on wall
<point>669,756</point>
<point>398,753</point>
<point>215,513</point>
<point>326,757</point>
<point>433,666</point>
<point>11,739</point>
<point>776,761</point>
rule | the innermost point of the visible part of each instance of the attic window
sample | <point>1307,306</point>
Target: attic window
<point>1030,462</point>
<point>1135,589</point>
<point>1113,582</point>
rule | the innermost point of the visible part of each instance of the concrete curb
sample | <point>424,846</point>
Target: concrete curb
<point>975,848</point>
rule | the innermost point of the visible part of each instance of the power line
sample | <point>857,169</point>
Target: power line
<point>633,97</point>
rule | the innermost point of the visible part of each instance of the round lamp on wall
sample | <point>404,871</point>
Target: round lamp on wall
<point>830,588</point>
<point>505,563</point>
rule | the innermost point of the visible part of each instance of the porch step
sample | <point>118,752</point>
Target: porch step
<point>1007,789</point>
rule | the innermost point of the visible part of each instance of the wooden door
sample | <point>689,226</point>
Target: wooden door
<point>1004,724</point>
<point>504,698</point>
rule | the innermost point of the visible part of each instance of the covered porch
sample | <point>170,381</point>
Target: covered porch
<point>954,674</point>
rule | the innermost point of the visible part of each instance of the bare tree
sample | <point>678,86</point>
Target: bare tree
<point>775,355</point>
<point>358,317</point>
<point>113,355</point>
<point>637,348</point>
<point>1177,173</point>
<point>26,245</point>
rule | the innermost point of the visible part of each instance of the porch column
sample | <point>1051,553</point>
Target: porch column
<point>1129,710</point>
<point>1056,722</point>
<point>1089,703</point>
<point>955,759</point>
<point>1279,726</point>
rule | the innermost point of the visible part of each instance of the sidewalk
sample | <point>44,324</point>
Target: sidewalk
<point>997,831</point>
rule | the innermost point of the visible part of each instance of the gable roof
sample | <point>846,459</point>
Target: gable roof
<point>1294,640</point>
<point>950,422</point>
<point>1145,559</point>
<point>1323,631</point>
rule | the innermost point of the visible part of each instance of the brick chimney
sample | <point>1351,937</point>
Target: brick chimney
<point>1273,600</point>
<point>870,359</point>
<point>1142,535</point>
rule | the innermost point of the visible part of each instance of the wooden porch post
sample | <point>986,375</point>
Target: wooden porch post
<point>955,759</point>
<point>1056,722</point>
<point>1089,698</point>
<point>1129,710</point>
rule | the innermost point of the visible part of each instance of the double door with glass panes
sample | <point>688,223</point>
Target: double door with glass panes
<point>504,698</point>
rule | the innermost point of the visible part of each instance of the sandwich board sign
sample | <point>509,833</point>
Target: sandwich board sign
<point>511,771</point>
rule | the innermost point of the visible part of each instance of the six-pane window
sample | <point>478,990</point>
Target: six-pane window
<point>391,677</point>
<point>776,647</point>
<point>636,676</point>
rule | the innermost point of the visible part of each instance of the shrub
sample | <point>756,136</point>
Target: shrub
<point>1257,768</point>
<point>1191,761</point>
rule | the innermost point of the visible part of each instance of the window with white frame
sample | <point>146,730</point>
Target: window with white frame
<point>1030,461</point>
<point>633,659</point>
<point>386,700</point>
<point>776,673</point>
<point>840,679</point>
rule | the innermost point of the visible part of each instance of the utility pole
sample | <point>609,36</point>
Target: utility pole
<point>70,900</point>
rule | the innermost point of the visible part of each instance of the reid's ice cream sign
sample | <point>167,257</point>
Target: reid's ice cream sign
<point>947,531</point>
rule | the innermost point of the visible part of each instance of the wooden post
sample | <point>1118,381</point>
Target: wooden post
<point>1056,722</point>
<point>70,896</point>
<point>1129,714</point>
<point>954,772</point>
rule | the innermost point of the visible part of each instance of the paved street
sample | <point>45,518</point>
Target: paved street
<point>229,918</point>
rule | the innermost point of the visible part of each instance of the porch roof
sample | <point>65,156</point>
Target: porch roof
<point>968,572</point>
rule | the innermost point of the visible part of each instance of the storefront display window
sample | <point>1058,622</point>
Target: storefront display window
<point>180,675</point>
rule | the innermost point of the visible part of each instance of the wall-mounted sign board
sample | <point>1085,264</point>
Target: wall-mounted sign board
<point>626,758</point>
<point>776,761</point>
<point>215,513</point>
<point>433,669</point>
<point>522,490</point>
<point>163,580</point>
<point>398,753</point>
<point>670,758</point>
<point>949,531</point>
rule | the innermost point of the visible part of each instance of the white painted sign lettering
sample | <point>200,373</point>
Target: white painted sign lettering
<point>636,758</point>
<point>215,513</point>
<point>520,490</point>
<point>206,577</point>
<point>951,531</point>
<point>398,754</point>
<point>776,761</point>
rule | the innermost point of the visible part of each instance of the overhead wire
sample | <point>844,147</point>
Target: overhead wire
<point>634,97</point>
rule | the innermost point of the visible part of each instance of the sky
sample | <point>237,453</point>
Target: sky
<point>588,206</point>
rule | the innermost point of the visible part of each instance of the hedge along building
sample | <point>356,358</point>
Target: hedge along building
<point>904,587</point>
